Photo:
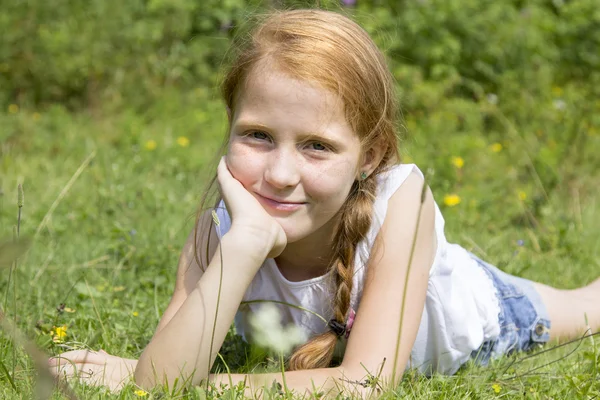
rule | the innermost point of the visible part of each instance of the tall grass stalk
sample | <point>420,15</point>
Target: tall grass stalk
<point>212,338</point>
<point>13,271</point>
<point>64,192</point>
<point>410,259</point>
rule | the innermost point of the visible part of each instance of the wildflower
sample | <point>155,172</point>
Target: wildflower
<point>183,141</point>
<point>349,2</point>
<point>13,109</point>
<point>497,388</point>
<point>458,162</point>
<point>69,310</point>
<point>559,104</point>
<point>135,313</point>
<point>36,116</point>
<point>268,332</point>
<point>59,334</point>
<point>451,200</point>
<point>522,195</point>
<point>520,242</point>
<point>557,91</point>
<point>150,145</point>
<point>492,98</point>
<point>118,288</point>
<point>140,393</point>
<point>496,147</point>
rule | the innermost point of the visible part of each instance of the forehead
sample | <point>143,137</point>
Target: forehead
<point>271,94</point>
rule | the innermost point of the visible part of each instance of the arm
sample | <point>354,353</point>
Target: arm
<point>189,271</point>
<point>381,304</point>
<point>181,348</point>
<point>181,345</point>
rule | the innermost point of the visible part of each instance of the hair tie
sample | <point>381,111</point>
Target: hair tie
<point>337,327</point>
<point>342,329</point>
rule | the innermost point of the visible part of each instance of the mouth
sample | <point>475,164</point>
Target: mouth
<point>279,205</point>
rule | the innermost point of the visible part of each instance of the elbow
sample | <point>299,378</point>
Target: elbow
<point>141,375</point>
<point>148,374</point>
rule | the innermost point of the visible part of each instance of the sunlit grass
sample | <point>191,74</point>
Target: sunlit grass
<point>107,241</point>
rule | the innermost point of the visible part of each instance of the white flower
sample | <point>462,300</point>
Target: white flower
<point>559,104</point>
<point>268,332</point>
<point>492,98</point>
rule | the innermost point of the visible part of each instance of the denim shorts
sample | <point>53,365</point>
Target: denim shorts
<point>524,320</point>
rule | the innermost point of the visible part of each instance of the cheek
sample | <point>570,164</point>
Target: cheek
<point>244,164</point>
<point>332,181</point>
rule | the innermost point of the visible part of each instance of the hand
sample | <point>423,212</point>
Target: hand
<point>96,368</point>
<point>248,214</point>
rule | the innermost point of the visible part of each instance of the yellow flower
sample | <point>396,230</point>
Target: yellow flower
<point>150,145</point>
<point>135,313</point>
<point>496,147</point>
<point>118,288</point>
<point>522,195</point>
<point>69,310</point>
<point>59,334</point>
<point>458,162</point>
<point>13,109</point>
<point>557,91</point>
<point>451,200</point>
<point>36,116</point>
<point>140,393</point>
<point>183,141</point>
<point>497,388</point>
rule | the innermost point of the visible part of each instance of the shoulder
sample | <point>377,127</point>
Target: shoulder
<point>410,217</point>
<point>197,251</point>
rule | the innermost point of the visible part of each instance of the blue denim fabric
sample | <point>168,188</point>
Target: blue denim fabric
<point>524,320</point>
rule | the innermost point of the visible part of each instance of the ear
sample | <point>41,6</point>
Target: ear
<point>371,158</point>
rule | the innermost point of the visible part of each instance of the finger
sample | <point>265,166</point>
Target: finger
<point>223,174</point>
<point>63,371</point>
<point>228,185</point>
<point>76,356</point>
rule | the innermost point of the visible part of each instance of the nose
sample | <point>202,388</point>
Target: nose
<point>282,170</point>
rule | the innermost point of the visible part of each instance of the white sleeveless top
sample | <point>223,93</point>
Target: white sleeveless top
<point>461,308</point>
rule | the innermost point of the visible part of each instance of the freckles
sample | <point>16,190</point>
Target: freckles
<point>242,162</point>
<point>339,173</point>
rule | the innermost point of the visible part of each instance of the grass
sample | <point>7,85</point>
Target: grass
<point>111,196</point>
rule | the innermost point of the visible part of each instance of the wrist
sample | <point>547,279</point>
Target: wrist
<point>249,242</point>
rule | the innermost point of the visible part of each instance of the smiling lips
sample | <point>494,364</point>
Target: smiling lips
<point>279,205</point>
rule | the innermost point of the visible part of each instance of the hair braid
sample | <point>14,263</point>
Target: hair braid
<point>354,223</point>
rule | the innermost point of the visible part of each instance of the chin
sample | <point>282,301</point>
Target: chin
<point>293,232</point>
<point>293,235</point>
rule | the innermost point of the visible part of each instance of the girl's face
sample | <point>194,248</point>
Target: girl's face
<point>292,149</point>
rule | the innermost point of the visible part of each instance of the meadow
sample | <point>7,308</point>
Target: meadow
<point>112,180</point>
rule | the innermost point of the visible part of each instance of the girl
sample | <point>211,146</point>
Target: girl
<point>318,212</point>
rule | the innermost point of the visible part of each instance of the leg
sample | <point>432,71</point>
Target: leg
<point>568,307</point>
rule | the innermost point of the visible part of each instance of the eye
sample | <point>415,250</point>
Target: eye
<point>258,135</point>
<point>318,146</point>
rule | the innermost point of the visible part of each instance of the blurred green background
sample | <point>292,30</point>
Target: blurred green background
<point>501,108</point>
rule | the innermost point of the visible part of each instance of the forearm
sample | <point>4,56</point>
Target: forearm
<point>181,349</point>
<point>329,382</point>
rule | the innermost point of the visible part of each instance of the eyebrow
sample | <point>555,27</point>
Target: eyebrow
<point>306,136</point>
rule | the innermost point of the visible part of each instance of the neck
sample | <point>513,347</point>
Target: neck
<point>309,257</point>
